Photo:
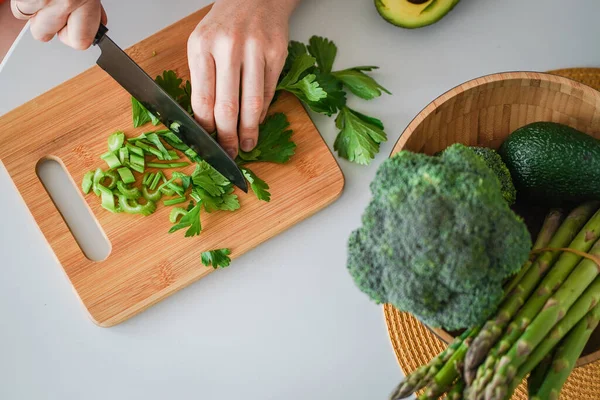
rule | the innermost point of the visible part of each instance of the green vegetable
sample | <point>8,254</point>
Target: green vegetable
<point>429,239</point>
<point>190,220</point>
<point>175,87</point>
<point>274,142</point>
<point>86,184</point>
<point>134,149</point>
<point>493,160</point>
<point>129,193</point>
<point>176,213</point>
<point>126,175</point>
<point>111,160</point>
<point>258,186</point>
<point>305,88</point>
<point>414,14</point>
<point>124,155</point>
<point>216,258</point>
<point>133,207</point>
<point>177,200</point>
<point>107,197</point>
<point>553,311</point>
<point>359,83</point>
<point>155,197</point>
<point>115,141</point>
<point>323,50</point>
<point>553,163</point>
<point>141,115</point>
<point>167,165</point>
<point>156,180</point>
<point>360,136</point>
<point>566,356</point>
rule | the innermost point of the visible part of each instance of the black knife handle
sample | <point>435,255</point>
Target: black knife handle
<point>100,34</point>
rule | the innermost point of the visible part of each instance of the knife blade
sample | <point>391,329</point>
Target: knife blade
<point>140,85</point>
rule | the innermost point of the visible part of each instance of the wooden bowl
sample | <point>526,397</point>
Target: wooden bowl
<point>484,111</point>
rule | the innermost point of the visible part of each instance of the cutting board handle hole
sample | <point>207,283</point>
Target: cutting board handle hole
<point>70,203</point>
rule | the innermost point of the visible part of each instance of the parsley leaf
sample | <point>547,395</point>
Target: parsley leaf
<point>174,86</point>
<point>324,51</point>
<point>307,89</point>
<point>301,63</point>
<point>295,49</point>
<point>216,258</point>
<point>209,179</point>
<point>190,220</point>
<point>212,189</point>
<point>274,142</point>
<point>259,187</point>
<point>336,97</point>
<point>360,136</point>
<point>141,115</point>
<point>360,83</point>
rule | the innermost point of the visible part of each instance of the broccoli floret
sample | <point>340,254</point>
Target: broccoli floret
<point>493,160</point>
<point>438,240</point>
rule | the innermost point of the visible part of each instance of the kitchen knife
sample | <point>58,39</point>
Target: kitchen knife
<point>139,84</point>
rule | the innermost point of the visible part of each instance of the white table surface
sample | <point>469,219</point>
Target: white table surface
<point>285,321</point>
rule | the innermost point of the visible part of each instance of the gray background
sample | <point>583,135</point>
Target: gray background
<point>285,321</point>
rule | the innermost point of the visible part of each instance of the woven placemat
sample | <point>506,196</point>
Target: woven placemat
<point>415,345</point>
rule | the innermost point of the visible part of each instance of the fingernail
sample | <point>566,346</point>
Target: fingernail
<point>231,151</point>
<point>248,144</point>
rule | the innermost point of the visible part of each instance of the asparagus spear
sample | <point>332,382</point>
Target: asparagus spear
<point>554,310</point>
<point>566,356</point>
<point>537,376</point>
<point>587,301</point>
<point>555,277</point>
<point>456,393</point>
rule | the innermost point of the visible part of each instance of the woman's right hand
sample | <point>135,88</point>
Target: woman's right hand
<point>75,22</point>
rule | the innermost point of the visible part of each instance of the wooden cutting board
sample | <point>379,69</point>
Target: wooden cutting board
<point>71,123</point>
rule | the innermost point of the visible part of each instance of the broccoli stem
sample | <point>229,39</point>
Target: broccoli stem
<point>566,356</point>
<point>555,277</point>
<point>493,328</point>
<point>553,311</point>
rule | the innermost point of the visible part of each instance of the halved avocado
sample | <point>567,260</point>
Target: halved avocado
<point>414,13</point>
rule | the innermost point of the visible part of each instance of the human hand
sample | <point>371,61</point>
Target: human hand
<point>75,22</point>
<point>235,56</point>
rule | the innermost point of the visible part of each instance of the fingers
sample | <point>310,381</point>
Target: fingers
<point>47,22</point>
<point>252,98</point>
<point>104,17</point>
<point>227,92</point>
<point>25,9</point>
<point>275,60</point>
<point>202,71</point>
<point>82,26</point>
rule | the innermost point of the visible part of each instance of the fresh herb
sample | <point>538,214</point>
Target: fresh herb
<point>141,115</point>
<point>360,135</point>
<point>274,142</point>
<point>258,186</point>
<point>216,258</point>
<point>190,220</point>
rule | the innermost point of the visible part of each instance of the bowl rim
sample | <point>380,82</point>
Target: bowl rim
<point>483,80</point>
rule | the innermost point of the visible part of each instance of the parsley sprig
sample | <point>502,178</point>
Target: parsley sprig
<point>308,74</point>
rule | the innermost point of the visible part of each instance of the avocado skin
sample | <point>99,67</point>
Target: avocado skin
<point>429,18</point>
<point>553,163</point>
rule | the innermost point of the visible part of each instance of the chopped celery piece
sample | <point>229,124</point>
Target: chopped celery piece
<point>98,176</point>
<point>134,207</point>
<point>155,181</point>
<point>176,213</point>
<point>126,175</point>
<point>156,196</point>
<point>149,149</point>
<point>115,141</point>
<point>111,159</point>
<point>135,150</point>
<point>137,168</point>
<point>135,139</point>
<point>147,179</point>
<point>137,160</point>
<point>155,140</point>
<point>114,178</point>
<point>88,181</point>
<point>168,165</point>
<point>108,198</point>
<point>173,154</point>
<point>130,193</point>
<point>172,202</point>
<point>167,191</point>
<point>124,155</point>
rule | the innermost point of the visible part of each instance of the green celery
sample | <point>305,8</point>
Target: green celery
<point>115,141</point>
<point>155,181</point>
<point>111,160</point>
<point>130,193</point>
<point>156,196</point>
<point>149,149</point>
<point>134,159</point>
<point>108,198</point>
<point>135,139</point>
<point>86,184</point>
<point>98,176</point>
<point>176,213</point>
<point>155,140</point>
<point>114,178</point>
<point>146,177</point>
<point>172,202</point>
<point>124,155</point>
<point>168,165</point>
<point>136,208</point>
<point>137,168</point>
<point>135,150</point>
<point>173,154</point>
<point>126,175</point>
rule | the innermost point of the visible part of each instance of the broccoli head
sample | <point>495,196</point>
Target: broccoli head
<point>438,240</point>
<point>493,160</point>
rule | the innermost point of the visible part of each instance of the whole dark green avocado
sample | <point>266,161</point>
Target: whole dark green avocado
<point>553,163</point>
